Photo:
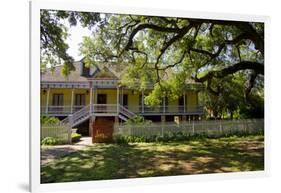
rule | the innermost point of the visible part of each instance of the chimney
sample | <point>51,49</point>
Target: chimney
<point>84,71</point>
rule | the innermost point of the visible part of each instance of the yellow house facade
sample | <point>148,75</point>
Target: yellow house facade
<point>94,92</point>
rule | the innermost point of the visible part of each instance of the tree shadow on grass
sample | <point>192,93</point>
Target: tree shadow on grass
<point>113,161</point>
<point>217,158</point>
<point>97,163</point>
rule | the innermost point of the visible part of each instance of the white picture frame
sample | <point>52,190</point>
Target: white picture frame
<point>35,7</point>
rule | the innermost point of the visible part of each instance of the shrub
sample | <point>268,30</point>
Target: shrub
<point>176,136</point>
<point>50,141</point>
<point>49,120</point>
<point>75,137</point>
<point>137,120</point>
<point>120,139</point>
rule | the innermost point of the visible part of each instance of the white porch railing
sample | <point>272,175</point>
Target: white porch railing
<point>60,110</point>
<point>130,110</point>
<point>78,114</point>
<point>104,108</point>
<point>169,109</point>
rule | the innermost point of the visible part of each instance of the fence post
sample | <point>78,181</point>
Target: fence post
<point>69,127</point>
<point>193,127</point>
<point>163,120</point>
<point>220,128</point>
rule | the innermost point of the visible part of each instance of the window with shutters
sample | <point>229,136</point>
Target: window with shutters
<point>80,100</point>
<point>125,100</point>
<point>57,100</point>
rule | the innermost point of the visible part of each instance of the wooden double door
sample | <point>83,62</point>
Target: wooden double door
<point>101,101</point>
<point>102,129</point>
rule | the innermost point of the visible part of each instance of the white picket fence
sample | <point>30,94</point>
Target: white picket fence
<point>210,127</point>
<point>60,131</point>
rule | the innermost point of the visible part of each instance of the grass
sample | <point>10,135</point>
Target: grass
<point>115,161</point>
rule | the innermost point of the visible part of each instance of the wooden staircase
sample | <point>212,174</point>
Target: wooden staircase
<point>98,110</point>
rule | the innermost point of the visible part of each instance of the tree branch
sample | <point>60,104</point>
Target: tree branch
<point>184,31</point>
<point>149,26</point>
<point>124,34</point>
<point>253,35</point>
<point>251,84</point>
<point>175,64</point>
<point>135,50</point>
<point>244,65</point>
<point>236,40</point>
<point>245,27</point>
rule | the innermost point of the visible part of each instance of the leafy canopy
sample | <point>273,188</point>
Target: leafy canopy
<point>167,52</point>
<point>53,34</point>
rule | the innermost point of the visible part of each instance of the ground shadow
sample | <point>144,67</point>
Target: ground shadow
<point>115,161</point>
<point>24,187</point>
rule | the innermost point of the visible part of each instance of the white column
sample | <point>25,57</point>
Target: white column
<point>69,130</point>
<point>204,94</point>
<point>91,98</point>
<point>47,101</point>
<point>122,96</point>
<point>184,102</point>
<point>94,95</point>
<point>164,104</point>
<point>117,100</point>
<point>142,101</point>
<point>72,100</point>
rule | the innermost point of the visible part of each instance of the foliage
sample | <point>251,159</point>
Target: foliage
<point>226,56</point>
<point>137,120</point>
<point>50,141</point>
<point>54,33</point>
<point>230,101</point>
<point>49,120</point>
<point>177,137</point>
<point>75,137</point>
<point>167,53</point>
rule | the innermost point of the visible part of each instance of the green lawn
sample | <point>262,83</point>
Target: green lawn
<point>113,161</point>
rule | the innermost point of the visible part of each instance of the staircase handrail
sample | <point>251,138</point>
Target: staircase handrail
<point>126,111</point>
<point>76,115</point>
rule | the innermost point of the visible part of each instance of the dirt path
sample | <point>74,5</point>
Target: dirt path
<point>53,152</point>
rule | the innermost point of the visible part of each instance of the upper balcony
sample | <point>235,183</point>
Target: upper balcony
<point>112,108</point>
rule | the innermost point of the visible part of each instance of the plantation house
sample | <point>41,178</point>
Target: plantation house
<point>93,96</point>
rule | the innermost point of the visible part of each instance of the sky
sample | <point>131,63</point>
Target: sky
<point>76,34</point>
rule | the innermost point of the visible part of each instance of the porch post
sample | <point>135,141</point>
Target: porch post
<point>116,120</point>
<point>142,101</point>
<point>117,102</point>
<point>94,97</point>
<point>47,101</point>
<point>91,97</point>
<point>94,94</point>
<point>164,104</point>
<point>91,124</point>
<point>72,97</point>
<point>92,118</point>
<point>183,118</point>
<point>204,92</point>
<point>121,96</point>
<point>163,120</point>
<point>69,129</point>
<point>184,102</point>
